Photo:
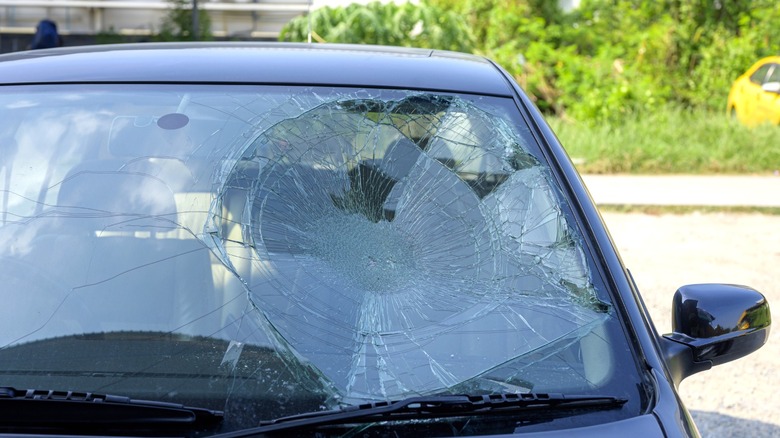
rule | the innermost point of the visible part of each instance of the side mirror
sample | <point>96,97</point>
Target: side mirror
<point>713,324</point>
<point>771,87</point>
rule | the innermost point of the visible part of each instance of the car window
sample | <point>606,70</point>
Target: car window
<point>774,76</point>
<point>760,75</point>
<point>278,250</point>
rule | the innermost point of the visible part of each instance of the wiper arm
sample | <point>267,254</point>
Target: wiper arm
<point>79,411</point>
<point>435,407</point>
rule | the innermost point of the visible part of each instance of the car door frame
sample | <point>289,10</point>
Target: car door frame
<point>767,108</point>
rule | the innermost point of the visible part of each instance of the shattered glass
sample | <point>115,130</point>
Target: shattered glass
<point>294,247</point>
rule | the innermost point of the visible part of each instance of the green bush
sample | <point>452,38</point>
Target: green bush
<point>384,24</point>
<point>636,86</point>
<point>177,25</point>
<point>609,59</point>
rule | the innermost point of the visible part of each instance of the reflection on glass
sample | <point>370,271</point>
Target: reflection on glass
<point>285,250</point>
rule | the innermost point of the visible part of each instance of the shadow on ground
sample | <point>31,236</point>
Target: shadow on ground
<point>716,425</point>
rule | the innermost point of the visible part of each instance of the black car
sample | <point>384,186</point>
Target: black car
<point>318,240</point>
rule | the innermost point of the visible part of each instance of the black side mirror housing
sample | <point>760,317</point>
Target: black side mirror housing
<point>713,324</point>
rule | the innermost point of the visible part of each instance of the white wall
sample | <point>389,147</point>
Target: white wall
<point>240,18</point>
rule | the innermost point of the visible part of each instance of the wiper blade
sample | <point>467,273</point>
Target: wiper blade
<point>83,411</point>
<point>435,407</point>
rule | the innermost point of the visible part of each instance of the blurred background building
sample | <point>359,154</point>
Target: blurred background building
<point>86,21</point>
<point>98,21</point>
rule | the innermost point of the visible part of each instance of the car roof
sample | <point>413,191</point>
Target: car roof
<point>257,63</point>
<point>769,59</point>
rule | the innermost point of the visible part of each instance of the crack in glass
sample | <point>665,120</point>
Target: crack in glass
<point>291,248</point>
<point>406,246</point>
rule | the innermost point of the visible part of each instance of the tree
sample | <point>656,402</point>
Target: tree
<point>604,60</point>
<point>608,58</point>
<point>384,24</point>
<point>178,23</point>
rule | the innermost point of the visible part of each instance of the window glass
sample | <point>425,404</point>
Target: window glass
<point>759,75</point>
<point>279,250</point>
<point>774,76</point>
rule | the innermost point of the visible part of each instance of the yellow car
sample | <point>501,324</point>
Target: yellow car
<point>755,96</point>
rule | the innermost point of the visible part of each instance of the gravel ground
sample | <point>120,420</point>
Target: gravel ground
<point>663,252</point>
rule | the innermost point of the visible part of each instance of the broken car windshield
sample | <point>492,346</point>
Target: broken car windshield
<point>306,248</point>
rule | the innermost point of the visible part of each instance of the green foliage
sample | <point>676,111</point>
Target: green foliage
<point>611,58</point>
<point>673,52</point>
<point>109,37</point>
<point>384,24</point>
<point>602,62</point>
<point>178,24</point>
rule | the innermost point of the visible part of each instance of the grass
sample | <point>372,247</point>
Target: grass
<point>671,141</point>
<point>683,209</point>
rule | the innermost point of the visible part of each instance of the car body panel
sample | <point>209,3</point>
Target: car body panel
<point>643,426</point>
<point>239,64</point>
<point>748,101</point>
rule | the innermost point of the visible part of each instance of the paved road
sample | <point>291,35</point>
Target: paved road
<point>693,190</point>
<point>665,251</point>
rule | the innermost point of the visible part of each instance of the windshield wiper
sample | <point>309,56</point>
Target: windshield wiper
<point>84,411</point>
<point>435,407</point>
